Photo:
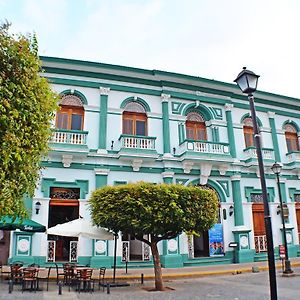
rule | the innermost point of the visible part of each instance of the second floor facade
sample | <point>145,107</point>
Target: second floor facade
<point>122,115</point>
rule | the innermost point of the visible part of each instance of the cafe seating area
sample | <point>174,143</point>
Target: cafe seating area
<point>33,278</point>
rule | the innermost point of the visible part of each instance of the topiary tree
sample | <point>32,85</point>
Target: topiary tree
<point>27,106</point>
<point>161,210</point>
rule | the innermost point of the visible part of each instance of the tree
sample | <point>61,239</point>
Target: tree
<point>161,210</point>
<point>27,106</point>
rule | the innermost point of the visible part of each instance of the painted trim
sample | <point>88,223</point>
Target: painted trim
<point>202,109</point>
<point>47,183</point>
<point>292,192</point>
<point>291,123</point>
<point>76,93</point>
<point>215,185</point>
<point>138,100</point>
<point>247,115</point>
<point>251,190</point>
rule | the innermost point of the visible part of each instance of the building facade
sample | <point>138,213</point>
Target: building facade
<point>119,124</point>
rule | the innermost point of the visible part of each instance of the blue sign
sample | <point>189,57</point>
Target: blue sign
<point>216,242</point>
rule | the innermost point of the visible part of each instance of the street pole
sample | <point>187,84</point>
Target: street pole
<point>267,217</point>
<point>287,263</point>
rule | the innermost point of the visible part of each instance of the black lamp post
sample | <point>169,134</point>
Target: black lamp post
<point>276,168</point>
<point>247,82</point>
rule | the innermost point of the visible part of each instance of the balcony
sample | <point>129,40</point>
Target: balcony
<point>137,146</point>
<point>71,141</point>
<point>73,137</point>
<point>293,157</point>
<point>250,153</point>
<point>204,147</point>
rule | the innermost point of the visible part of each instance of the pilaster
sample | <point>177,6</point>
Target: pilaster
<point>237,199</point>
<point>230,132</point>
<point>271,116</point>
<point>166,126</point>
<point>101,177</point>
<point>104,91</point>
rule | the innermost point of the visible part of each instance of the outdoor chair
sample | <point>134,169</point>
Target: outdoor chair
<point>59,273</point>
<point>29,279</point>
<point>3,271</point>
<point>101,280</point>
<point>16,272</point>
<point>68,273</point>
<point>84,279</point>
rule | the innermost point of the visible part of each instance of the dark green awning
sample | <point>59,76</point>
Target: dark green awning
<point>9,223</point>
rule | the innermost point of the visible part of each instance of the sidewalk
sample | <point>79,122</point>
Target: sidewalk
<point>201,271</point>
<point>134,275</point>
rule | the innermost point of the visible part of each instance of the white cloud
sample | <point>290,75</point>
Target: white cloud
<point>208,38</point>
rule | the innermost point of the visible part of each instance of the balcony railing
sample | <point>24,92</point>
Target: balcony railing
<point>205,147</point>
<point>293,156</point>
<point>137,142</point>
<point>73,137</point>
<point>251,152</point>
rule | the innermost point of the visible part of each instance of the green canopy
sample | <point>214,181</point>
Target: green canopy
<point>10,223</point>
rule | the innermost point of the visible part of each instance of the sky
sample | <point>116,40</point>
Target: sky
<point>212,39</point>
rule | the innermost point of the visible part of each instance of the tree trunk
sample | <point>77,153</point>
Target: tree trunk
<point>157,267</point>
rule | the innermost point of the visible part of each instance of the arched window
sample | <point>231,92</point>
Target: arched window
<point>248,132</point>
<point>70,114</point>
<point>291,138</point>
<point>134,119</point>
<point>195,127</point>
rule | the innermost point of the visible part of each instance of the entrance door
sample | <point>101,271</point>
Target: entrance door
<point>260,238</point>
<point>201,245</point>
<point>64,207</point>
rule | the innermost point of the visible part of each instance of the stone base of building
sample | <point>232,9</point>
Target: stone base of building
<point>171,261</point>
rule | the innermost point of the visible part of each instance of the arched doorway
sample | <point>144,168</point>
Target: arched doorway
<point>63,207</point>
<point>209,242</point>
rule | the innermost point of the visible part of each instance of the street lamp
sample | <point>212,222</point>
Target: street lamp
<point>276,168</point>
<point>247,82</point>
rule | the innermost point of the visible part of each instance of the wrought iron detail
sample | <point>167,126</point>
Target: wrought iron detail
<point>297,197</point>
<point>256,198</point>
<point>73,251</point>
<point>125,251</point>
<point>65,193</point>
<point>191,246</point>
<point>51,251</point>
<point>260,242</point>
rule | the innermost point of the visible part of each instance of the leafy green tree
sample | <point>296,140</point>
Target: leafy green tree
<point>27,106</point>
<point>163,211</point>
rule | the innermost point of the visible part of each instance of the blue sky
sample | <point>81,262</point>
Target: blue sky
<point>208,38</point>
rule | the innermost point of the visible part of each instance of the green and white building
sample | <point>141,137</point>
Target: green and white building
<point>121,124</point>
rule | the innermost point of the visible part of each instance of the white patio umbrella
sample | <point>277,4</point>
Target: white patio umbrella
<point>81,228</point>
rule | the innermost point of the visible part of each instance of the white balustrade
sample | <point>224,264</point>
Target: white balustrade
<point>69,138</point>
<point>206,147</point>
<point>138,143</point>
<point>293,156</point>
<point>266,153</point>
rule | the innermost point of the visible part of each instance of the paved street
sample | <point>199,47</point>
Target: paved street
<point>227,287</point>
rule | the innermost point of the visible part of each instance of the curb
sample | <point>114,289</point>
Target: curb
<point>201,273</point>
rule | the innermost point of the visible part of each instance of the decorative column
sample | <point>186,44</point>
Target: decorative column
<point>237,200</point>
<point>103,119</point>
<point>166,126</point>
<point>241,253</point>
<point>230,132</point>
<point>168,177</point>
<point>100,256</point>
<point>271,116</point>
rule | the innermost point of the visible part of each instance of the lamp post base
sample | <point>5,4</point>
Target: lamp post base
<point>287,269</point>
